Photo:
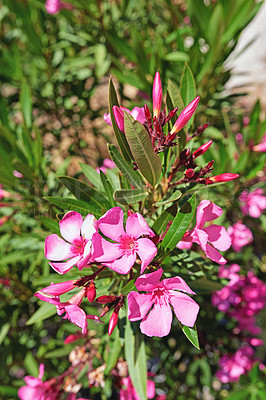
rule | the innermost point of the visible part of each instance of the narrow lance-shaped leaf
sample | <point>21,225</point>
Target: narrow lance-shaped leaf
<point>161,222</point>
<point>120,136</point>
<point>135,356</point>
<point>188,90</point>
<point>107,189</point>
<point>179,226</point>
<point>147,160</point>
<point>191,334</point>
<point>132,176</point>
<point>130,196</point>
<point>80,206</point>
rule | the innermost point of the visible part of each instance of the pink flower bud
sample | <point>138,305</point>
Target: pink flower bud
<point>157,94</point>
<point>184,117</point>
<point>56,289</point>
<point>105,299</point>
<point>221,178</point>
<point>112,322</point>
<point>190,173</point>
<point>119,118</point>
<point>201,150</point>
<point>91,292</point>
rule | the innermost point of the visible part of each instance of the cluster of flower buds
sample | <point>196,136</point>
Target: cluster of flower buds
<point>111,302</point>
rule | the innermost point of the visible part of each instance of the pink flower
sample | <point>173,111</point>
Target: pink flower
<point>252,203</point>
<point>77,249</point>
<point>71,307</point>
<point>211,238</point>
<point>157,94</point>
<point>36,389</point>
<point>261,146</point>
<point>130,393</point>
<point>54,6</point>
<point>107,164</point>
<point>154,307</point>
<point>121,255</point>
<point>235,365</point>
<point>240,235</point>
<point>137,113</point>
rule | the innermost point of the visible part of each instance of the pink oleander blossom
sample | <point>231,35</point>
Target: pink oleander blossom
<point>252,203</point>
<point>128,392</point>
<point>240,236</point>
<point>137,113</point>
<point>153,307</point>
<point>54,6</point>
<point>76,249</point>
<point>121,255</point>
<point>107,164</point>
<point>36,389</point>
<point>71,307</point>
<point>211,238</point>
<point>234,365</point>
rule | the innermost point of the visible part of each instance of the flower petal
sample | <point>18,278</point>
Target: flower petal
<point>218,237</point>
<point>122,265</point>
<point>102,250</point>
<point>63,267</point>
<point>56,289</point>
<point>185,308</point>
<point>158,321</point>
<point>176,283</point>
<point>70,226</point>
<point>214,255</point>
<point>77,316</point>
<point>138,305</point>
<point>147,282</point>
<point>56,249</point>
<point>207,211</point>
<point>146,251</point>
<point>89,226</point>
<point>200,237</point>
<point>86,258</point>
<point>136,226</point>
<point>111,224</point>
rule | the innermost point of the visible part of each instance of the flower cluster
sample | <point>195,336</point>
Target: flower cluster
<point>240,235</point>
<point>234,365</point>
<point>242,298</point>
<point>252,203</point>
<point>82,244</point>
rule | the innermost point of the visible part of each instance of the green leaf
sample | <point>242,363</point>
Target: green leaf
<point>82,207</point>
<point>135,356</point>
<point>45,311</point>
<point>58,353</point>
<point>4,331</point>
<point>130,196</point>
<point>179,226</point>
<point>192,335</point>
<point>168,215</point>
<point>174,196</point>
<point>175,97</point>
<point>9,391</point>
<point>26,104</point>
<point>114,351</point>
<point>120,136</point>
<point>141,146</point>
<point>17,256</point>
<point>108,189</point>
<point>127,170</point>
<point>205,286</point>
<point>188,90</point>
<point>84,192</point>
<point>31,364</point>
<point>177,56</point>
<point>241,394</point>
<point>129,287</point>
<point>92,176</point>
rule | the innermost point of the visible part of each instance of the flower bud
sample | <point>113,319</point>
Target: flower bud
<point>221,178</point>
<point>119,118</point>
<point>105,299</point>
<point>190,173</point>
<point>157,94</point>
<point>112,322</point>
<point>202,149</point>
<point>91,292</point>
<point>184,117</point>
